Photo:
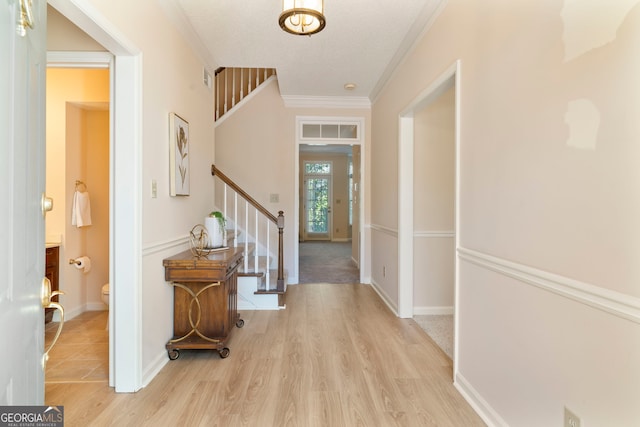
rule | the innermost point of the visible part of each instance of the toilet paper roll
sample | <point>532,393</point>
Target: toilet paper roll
<point>83,263</point>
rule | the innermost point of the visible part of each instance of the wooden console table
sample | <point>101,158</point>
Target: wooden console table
<point>205,292</point>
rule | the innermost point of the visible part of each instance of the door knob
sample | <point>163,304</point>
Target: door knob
<point>47,204</point>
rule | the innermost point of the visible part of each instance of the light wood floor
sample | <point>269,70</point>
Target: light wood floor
<point>336,356</point>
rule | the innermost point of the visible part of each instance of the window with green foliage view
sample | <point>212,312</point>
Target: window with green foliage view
<point>317,193</point>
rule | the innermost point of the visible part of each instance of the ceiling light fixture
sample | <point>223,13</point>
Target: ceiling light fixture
<point>349,86</point>
<point>302,17</point>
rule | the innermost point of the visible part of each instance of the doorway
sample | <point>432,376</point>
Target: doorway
<point>78,147</point>
<point>125,206</point>
<point>428,214</point>
<point>323,137</point>
<point>434,218</point>
<point>327,249</point>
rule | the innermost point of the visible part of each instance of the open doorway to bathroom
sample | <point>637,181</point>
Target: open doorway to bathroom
<point>78,163</point>
<point>78,147</point>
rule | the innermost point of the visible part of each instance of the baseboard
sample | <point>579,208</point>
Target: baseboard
<point>69,314</point>
<point>154,368</point>
<point>385,298</point>
<point>433,311</point>
<point>96,306</point>
<point>249,300</point>
<point>482,408</point>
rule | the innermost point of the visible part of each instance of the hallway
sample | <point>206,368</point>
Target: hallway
<point>327,262</point>
<point>336,356</point>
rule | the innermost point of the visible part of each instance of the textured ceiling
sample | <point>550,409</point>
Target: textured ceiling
<point>361,43</point>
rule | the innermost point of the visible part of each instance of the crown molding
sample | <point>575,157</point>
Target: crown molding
<point>299,101</point>
<point>416,33</point>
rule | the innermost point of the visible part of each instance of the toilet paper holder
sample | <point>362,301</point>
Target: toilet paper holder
<point>74,261</point>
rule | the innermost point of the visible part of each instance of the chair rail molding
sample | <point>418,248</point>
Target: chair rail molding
<point>612,302</point>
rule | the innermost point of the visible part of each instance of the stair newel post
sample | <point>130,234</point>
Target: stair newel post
<point>280,246</point>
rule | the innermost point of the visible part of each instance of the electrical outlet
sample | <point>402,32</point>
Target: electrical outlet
<point>570,419</point>
<point>384,271</point>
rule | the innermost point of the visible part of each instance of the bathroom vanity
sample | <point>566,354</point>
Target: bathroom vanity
<point>52,272</point>
<point>205,292</point>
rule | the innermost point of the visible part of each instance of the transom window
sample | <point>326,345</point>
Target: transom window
<point>332,131</point>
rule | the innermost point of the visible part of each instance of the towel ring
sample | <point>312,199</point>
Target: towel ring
<point>80,184</point>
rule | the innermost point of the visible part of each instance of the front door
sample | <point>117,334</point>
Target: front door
<point>22,178</point>
<point>317,200</point>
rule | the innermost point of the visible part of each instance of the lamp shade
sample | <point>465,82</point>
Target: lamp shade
<point>302,17</point>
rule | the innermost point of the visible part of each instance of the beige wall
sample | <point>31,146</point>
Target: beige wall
<point>78,149</point>
<point>96,178</point>
<point>548,217</point>
<point>62,35</point>
<point>171,81</point>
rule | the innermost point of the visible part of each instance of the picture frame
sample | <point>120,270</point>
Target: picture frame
<point>179,155</point>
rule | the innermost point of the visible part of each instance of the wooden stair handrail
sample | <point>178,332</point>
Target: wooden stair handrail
<point>278,221</point>
<point>216,172</point>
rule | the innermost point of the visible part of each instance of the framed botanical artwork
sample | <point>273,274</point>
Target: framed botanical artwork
<point>179,155</point>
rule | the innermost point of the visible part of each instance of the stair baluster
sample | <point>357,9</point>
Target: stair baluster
<point>252,229</point>
<point>230,90</point>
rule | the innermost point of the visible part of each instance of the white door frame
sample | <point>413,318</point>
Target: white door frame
<point>365,272</point>
<point>125,211</point>
<point>451,77</point>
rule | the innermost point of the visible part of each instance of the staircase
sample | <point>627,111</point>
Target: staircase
<point>232,85</point>
<point>262,283</point>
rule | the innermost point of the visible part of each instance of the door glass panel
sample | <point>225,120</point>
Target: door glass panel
<point>317,168</point>
<point>317,205</point>
<point>317,198</point>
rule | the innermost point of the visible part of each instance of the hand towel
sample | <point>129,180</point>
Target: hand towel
<point>81,210</point>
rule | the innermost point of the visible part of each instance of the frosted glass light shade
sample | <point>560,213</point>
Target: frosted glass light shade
<point>302,17</point>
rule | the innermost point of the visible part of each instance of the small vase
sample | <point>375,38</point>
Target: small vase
<point>215,232</point>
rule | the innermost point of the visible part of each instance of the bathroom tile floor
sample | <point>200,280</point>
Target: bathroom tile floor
<point>82,351</point>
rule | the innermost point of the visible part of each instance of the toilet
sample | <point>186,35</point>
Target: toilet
<point>105,294</point>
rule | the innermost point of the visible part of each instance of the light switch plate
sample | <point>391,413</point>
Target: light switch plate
<point>154,189</point>
<point>570,419</point>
